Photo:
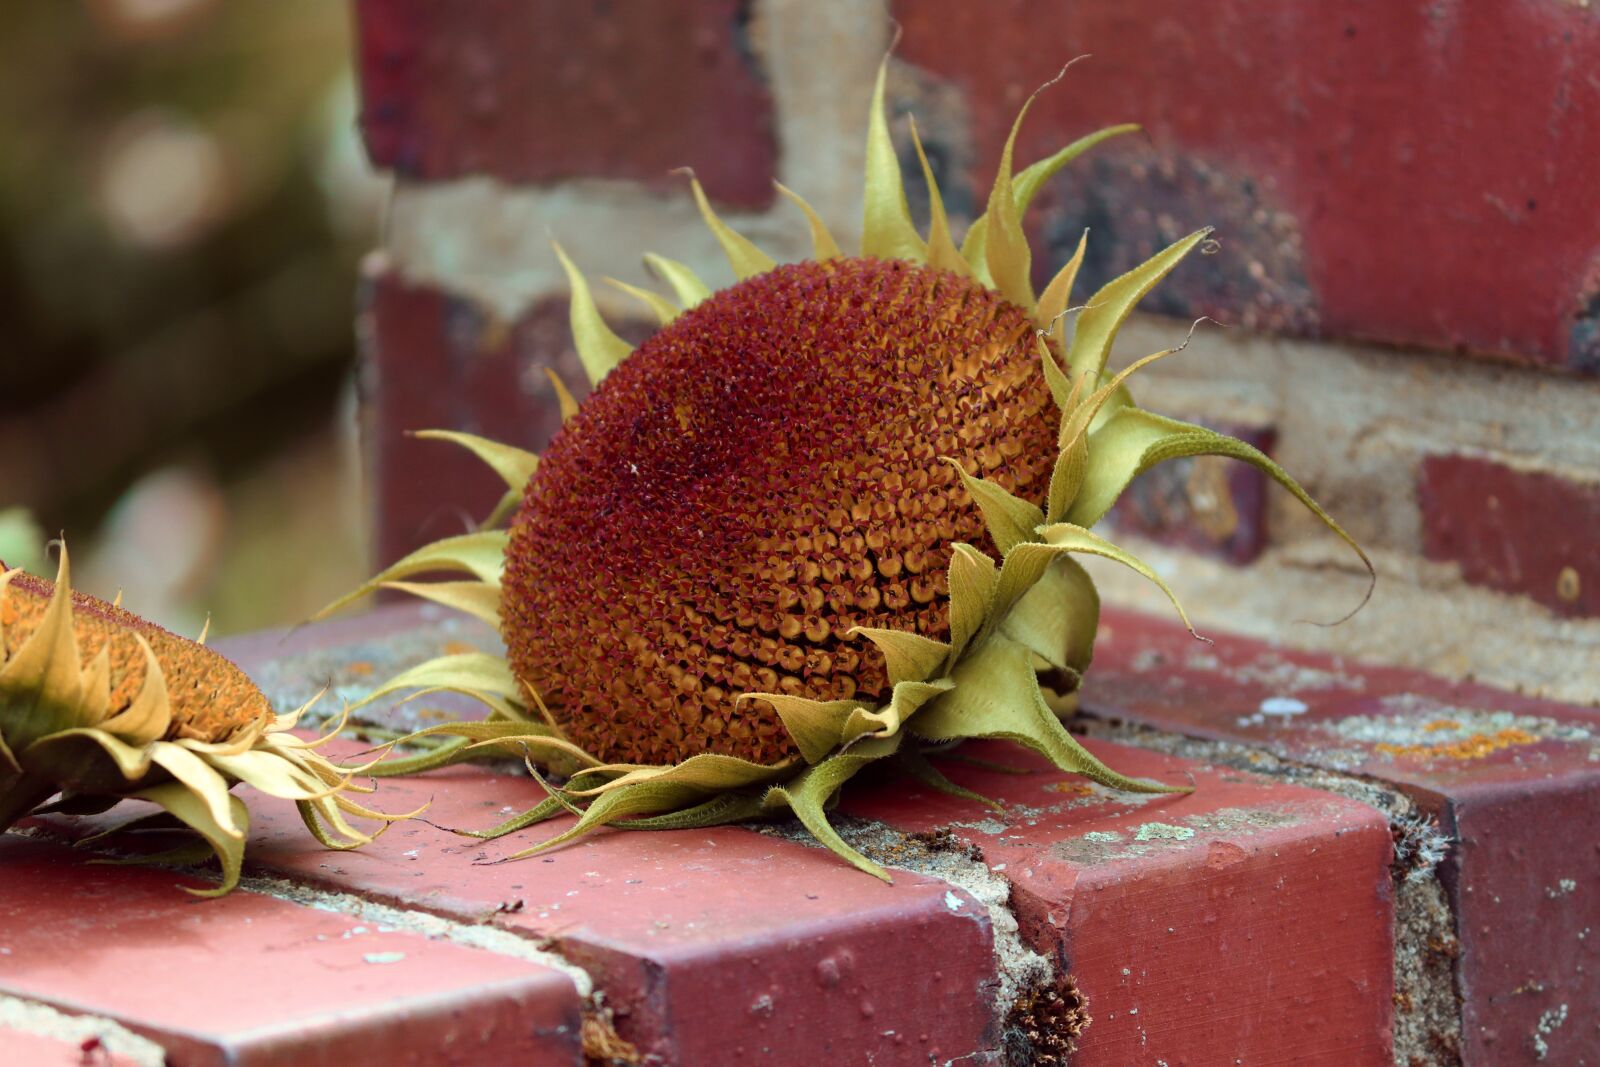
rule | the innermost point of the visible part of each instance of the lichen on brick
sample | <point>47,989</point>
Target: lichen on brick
<point>1199,830</point>
<point>1419,728</point>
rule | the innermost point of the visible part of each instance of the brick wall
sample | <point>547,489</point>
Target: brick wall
<point>1409,260</point>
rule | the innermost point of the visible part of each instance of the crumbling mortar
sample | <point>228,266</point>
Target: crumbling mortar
<point>1029,990</point>
<point>1428,1001</point>
<point>31,1017</point>
<point>483,936</point>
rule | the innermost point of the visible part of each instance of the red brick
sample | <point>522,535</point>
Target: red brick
<point>1246,922</point>
<point>431,360</point>
<point>1514,780</point>
<point>1404,174</point>
<point>541,90</point>
<point>689,934</point>
<point>251,981</point>
<point>1527,532</point>
<point>1203,503</point>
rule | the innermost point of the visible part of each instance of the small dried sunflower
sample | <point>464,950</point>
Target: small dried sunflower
<point>823,518</point>
<point>98,705</point>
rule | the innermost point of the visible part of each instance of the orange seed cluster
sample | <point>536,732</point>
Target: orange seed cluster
<point>211,698</point>
<point>759,477</point>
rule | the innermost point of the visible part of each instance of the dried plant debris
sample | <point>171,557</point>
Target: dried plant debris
<point>827,517</point>
<point>98,705</point>
<point>1044,1025</point>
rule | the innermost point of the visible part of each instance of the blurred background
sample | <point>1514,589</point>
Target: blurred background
<point>183,202</point>
<point>193,281</point>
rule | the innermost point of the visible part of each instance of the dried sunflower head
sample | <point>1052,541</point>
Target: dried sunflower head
<point>824,517</point>
<point>98,705</point>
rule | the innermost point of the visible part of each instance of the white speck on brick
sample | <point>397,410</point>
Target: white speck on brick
<point>384,957</point>
<point>952,901</point>
<point>1283,706</point>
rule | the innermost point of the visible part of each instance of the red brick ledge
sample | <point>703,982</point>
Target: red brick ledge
<point>1491,796</point>
<point>255,981</point>
<point>1266,913</point>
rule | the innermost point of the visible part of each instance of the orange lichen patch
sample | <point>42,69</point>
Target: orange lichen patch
<point>1075,789</point>
<point>1437,725</point>
<point>1473,746</point>
<point>211,698</point>
<point>359,669</point>
<point>762,475</point>
<point>458,648</point>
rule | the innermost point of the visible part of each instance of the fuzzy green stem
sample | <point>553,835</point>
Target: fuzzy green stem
<point>441,756</point>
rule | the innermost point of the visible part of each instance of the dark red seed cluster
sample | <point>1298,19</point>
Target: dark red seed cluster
<point>760,476</point>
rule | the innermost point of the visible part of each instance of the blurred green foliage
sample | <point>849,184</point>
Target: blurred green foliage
<point>180,222</point>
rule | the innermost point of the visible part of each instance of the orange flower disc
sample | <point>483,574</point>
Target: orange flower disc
<point>211,698</point>
<point>760,476</point>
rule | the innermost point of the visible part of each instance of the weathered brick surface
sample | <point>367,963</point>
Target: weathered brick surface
<point>1522,531</point>
<point>252,981</point>
<point>1204,503</point>
<point>1399,173</point>
<point>541,91</point>
<point>1514,781</point>
<point>712,946</point>
<point>432,360</point>
<point>1247,921</point>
